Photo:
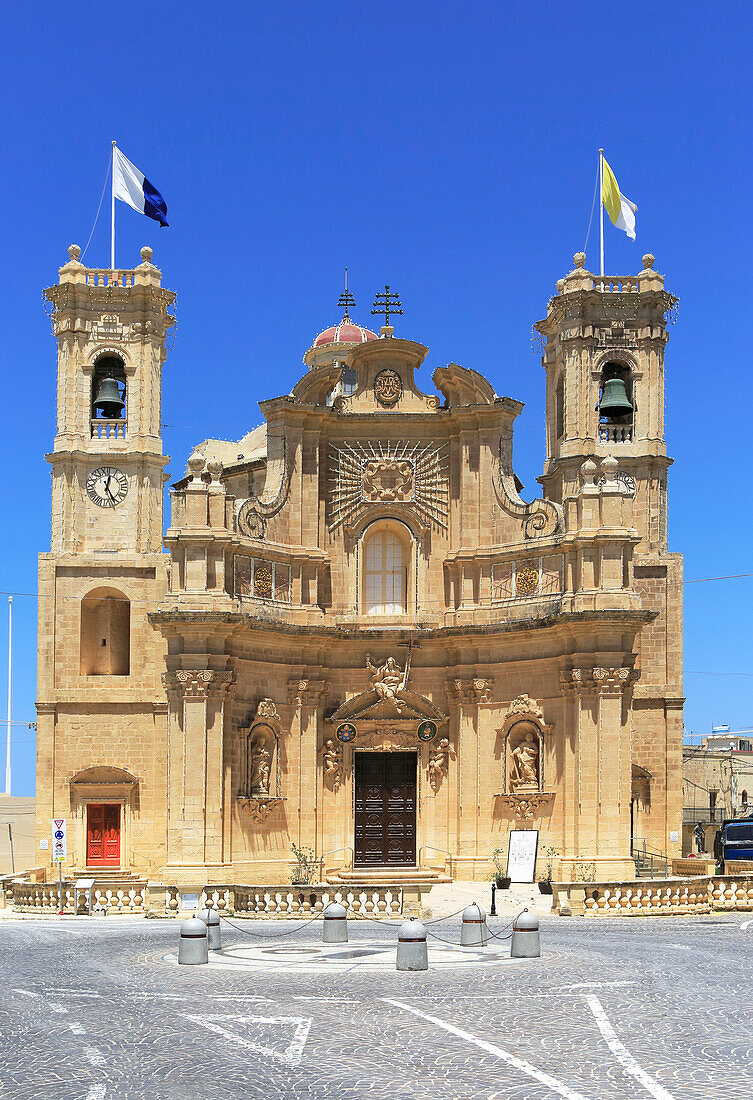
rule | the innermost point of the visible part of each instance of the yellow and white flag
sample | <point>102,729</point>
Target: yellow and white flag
<point>621,210</point>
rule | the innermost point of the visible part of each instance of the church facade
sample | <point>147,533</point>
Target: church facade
<point>357,637</point>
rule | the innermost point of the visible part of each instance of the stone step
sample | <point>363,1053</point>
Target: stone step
<point>387,876</point>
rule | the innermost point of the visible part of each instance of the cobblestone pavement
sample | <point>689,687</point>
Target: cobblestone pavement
<point>621,1009</point>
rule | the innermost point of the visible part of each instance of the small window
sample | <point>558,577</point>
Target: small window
<point>105,648</point>
<point>385,573</point>
<point>745,799</point>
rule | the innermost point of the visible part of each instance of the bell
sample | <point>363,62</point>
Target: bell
<point>108,400</point>
<point>614,399</point>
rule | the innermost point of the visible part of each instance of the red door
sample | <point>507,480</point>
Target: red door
<point>103,834</point>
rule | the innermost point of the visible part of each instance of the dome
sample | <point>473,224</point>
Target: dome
<point>346,332</point>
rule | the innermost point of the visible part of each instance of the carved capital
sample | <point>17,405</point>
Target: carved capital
<point>197,683</point>
<point>307,693</point>
<point>469,691</point>
<point>597,681</point>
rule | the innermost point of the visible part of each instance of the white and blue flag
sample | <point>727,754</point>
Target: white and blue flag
<point>133,187</point>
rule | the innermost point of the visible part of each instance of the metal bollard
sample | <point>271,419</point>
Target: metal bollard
<point>473,932</point>
<point>411,946</point>
<point>525,937</point>
<point>193,942</point>
<point>335,924</point>
<point>211,919</point>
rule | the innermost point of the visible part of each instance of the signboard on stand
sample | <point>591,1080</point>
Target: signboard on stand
<point>521,854</point>
<point>59,840</point>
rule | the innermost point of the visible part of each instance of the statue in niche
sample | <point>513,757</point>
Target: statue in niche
<point>387,681</point>
<point>439,762</point>
<point>332,762</point>
<point>524,770</point>
<point>259,766</point>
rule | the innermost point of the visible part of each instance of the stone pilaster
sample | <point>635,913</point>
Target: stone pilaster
<point>465,695</point>
<point>307,695</point>
<point>601,759</point>
<point>196,699</point>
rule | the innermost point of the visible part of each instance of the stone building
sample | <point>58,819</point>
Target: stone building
<point>361,638</point>
<point>717,783</point>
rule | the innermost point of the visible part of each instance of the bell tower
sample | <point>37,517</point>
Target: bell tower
<point>604,362</point>
<point>101,708</point>
<point>107,460</point>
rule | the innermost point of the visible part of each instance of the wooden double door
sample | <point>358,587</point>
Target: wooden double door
<point>385,809</point>
<point>103,834</point>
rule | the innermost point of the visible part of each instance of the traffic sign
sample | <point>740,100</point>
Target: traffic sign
<point>59,841</point>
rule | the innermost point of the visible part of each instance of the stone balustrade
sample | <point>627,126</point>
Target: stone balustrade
<point>44,897</point>
<point>108,429</point>
<point>654,897</point>
<point>615,433</point>
<point>140,897</point>
<point>103,276</point>
<point>616,284</point>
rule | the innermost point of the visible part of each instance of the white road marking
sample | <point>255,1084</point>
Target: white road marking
<point>96,1092</point>
<point>95,1057</point>
<point>623,1056</point>
<point>26,992</point>
<point>589,985</point>
<point>55,1007</point>
<point>77,1029</point>
<point>746,924</point>
<point>490,1048</point>
<point>292,1054</point>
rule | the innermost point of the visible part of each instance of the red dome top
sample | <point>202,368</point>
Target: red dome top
<point>346,332</point>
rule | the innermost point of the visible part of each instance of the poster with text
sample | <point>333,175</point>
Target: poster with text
<point>521,854</point>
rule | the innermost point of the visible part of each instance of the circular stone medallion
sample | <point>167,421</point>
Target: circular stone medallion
<point>346,731</point>
<point>426,731</point>
<point>388,387</point>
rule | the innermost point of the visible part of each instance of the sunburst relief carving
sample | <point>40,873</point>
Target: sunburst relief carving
<point>380,472</point>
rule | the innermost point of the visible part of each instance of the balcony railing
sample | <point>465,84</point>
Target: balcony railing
<point>616,284</point>
<point>615,433</point>
<point>102,276</point>
<point>108,429</point>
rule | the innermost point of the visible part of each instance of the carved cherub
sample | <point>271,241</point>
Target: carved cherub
<point>332,762</point>
<point>439,762</point>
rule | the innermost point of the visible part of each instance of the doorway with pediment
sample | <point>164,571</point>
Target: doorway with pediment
<point>385,810</point>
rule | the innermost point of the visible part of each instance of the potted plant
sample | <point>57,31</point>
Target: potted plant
<point>545,883</point>
<point>501,881</point>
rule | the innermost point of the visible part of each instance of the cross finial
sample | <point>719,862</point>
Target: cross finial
<point>386,304</point>
<point>346,299</point>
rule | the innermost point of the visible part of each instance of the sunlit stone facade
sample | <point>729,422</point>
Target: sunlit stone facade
<point>361,639</point>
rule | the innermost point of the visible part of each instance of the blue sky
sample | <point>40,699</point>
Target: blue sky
<point>447,149</point>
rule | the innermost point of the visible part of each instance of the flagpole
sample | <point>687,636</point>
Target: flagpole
<point>112,213</point>
<point>10,666</point>
<point>600,206</point>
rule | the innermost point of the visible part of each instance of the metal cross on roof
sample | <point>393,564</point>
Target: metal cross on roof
<point>387,303</point>
<point>346,299</point>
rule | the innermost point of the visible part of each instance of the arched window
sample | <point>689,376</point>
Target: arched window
<point>745,799</point>
<point>105,633</point>
<point>385,571</point>
<point>109,389</point>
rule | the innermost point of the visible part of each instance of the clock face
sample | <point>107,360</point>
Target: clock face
<point>107,486</point>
